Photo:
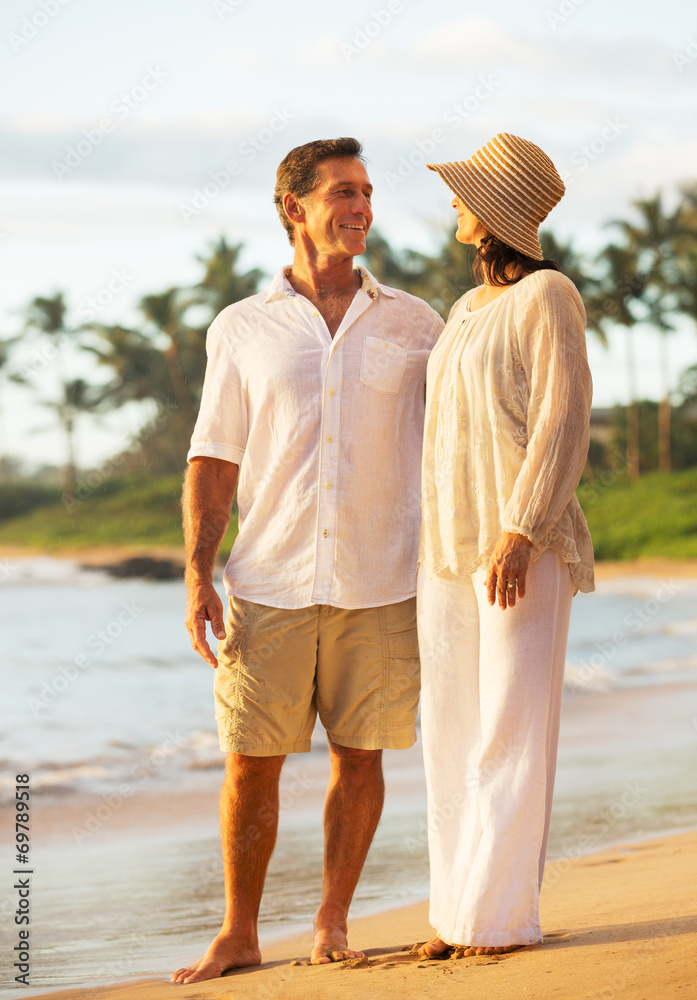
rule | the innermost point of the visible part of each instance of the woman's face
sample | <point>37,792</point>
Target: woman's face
<point>469,228</point>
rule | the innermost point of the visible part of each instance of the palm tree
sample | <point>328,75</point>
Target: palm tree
<point>46,318</point>
<point>164,314</point>
<point>439,279</point>
<point>685,271</point>
<point>579,270</point>
<point>163,360</point>
<point>221,284</point>
<point>619,286</point>
<point>652,242</point>
<point>6,347</point>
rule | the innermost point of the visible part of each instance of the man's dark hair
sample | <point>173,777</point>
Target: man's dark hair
<point>297,172</point>
<point>493,258</point>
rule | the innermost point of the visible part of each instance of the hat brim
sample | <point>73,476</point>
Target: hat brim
<point>479,195</point>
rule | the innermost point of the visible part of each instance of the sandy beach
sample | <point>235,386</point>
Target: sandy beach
<point>618,924</point>
<point>124,814</point>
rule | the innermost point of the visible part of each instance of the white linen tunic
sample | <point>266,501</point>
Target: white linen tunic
<point>506,438</point>
<point>327,433</point>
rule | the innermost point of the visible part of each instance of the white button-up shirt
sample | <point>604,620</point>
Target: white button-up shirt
<point>327,433</point>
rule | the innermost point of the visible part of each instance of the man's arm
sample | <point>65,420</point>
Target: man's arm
<point>209,488</point>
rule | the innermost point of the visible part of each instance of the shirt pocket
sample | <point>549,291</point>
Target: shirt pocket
<point>383,365</point>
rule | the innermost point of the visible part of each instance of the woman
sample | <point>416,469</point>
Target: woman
<point>504,547</point>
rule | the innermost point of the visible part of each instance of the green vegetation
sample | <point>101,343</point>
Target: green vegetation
<point>655,516</point>
<point>133,512</point>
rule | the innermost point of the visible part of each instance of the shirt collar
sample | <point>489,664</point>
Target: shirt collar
<point>280,285</point>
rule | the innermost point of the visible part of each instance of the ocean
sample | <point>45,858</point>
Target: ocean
<point>108,710</point>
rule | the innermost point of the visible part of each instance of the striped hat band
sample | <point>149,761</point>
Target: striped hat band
<point>510,185</point>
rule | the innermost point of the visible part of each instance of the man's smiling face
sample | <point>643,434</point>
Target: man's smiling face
<point>337,211</point>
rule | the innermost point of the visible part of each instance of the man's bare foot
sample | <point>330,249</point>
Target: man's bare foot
<point>226,952</point>
<point>331,945</point>
<point>436,947</point>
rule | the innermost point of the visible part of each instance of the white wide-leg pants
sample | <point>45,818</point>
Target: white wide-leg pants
<point>491,698</point>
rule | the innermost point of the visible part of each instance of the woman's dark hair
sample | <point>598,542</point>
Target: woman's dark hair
<point>494,261</point>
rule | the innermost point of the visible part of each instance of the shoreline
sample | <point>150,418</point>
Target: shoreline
<point>158,823</point>
<point>132,896</point>
<point>111,555</point>
<point>617,923</point>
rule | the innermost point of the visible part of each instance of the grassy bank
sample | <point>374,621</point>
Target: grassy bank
<point>143,513</point>
<point>655,517</point>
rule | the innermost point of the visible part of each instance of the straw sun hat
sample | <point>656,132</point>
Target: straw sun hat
<point>510,185</point>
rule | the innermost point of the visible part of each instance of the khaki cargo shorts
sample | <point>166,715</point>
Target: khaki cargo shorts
<point>278,669</point>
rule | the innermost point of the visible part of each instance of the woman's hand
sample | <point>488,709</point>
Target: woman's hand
<point>508,568</point>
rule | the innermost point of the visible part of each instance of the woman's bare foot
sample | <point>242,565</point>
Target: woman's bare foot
<point>331,945</point>
<point>436,947</point>
<point>433,948</point>
<point>226,952</point>
<point>461,951</point>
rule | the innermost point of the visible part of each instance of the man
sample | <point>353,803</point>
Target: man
<point>314,397</point>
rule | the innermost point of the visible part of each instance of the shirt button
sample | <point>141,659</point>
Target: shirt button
<point>331,392</point>
<point>325,533</point>
<point>328,485</point>
<point>315,313</point>
<point>330,439</point>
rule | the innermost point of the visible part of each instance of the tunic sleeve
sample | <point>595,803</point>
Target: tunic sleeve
<point>550,329</point>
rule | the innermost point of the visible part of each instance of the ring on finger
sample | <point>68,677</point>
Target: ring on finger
<point>511,586</point>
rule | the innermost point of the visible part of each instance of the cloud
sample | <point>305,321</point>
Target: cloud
<point>471,44</point>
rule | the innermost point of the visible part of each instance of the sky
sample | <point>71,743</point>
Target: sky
<point>132,135</point>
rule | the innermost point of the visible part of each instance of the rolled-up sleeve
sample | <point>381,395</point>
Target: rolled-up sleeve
<point>222,426</point>
<point>551,323</point>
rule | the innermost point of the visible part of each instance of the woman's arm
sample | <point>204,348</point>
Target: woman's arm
<point>550,322</point>
<point>552,340</point>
